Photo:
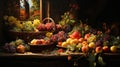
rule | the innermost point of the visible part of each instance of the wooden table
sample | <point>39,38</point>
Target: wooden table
<point>52,60</point>
<point>42,60</point>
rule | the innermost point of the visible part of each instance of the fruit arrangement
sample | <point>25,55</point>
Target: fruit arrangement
<point>85,39</point>
<point>28,30</point>
<point>17,46</point>
<point>16,25</point>
<point>69,35</point>
<point>49,38</point>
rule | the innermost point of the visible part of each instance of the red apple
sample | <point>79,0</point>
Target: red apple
<point>75,35</point>
<point>105,49</point>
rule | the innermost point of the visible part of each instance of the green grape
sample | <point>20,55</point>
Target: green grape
<point>19,41</point>
<point>28,26</point>
<point>16,29</point>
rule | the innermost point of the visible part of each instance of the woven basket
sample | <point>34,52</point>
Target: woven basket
<point>26,36</point>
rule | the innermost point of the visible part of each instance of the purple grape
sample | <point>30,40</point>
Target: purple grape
<point>9,48</point>
<point>98,43</point>
<point>54,38</point>
<point>105,37</point>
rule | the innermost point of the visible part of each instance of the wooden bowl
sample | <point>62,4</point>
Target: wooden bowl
<point>41,48</point>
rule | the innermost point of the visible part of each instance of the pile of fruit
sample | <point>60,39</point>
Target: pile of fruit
<point>90,42</point>
<point>69,33</point>
<point>81,38</point>
<point>17,46</point>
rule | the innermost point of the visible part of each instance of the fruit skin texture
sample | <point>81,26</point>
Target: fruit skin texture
<point>113,49</point>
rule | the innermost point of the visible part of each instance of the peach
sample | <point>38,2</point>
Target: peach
<point>21,48</point>
<point>85,48</point>
<point>84,43</point>
<point>87,36</point>
<point>98,49</point>
<point>81,40</point>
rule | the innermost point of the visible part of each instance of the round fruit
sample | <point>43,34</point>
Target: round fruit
<point>91,45</point>
<point>85,48</point>
<point>113,49</point>
<point>21,48</point>
<point>84,43</point>
<point>87,36</point>
<point>98,49</point>
<point>81,40</point>
<point>75,35</point>
<point>105,49</point>
<point>69,40</point>
<point>64,44</point>
<point>74,41</point>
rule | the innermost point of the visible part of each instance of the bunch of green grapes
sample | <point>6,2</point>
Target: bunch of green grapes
<point>36,22</point>
<point>28,26</point>
<point>13,23</point>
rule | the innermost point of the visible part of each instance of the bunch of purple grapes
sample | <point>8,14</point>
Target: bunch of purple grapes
<point>41,27</point>
<point>60,36</point>
<point>10,48</point>
<point>50,26</point>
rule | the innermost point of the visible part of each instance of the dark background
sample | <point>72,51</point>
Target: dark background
<point>96,11</point>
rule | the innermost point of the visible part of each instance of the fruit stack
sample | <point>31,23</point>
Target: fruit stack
<point>86,39</point>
